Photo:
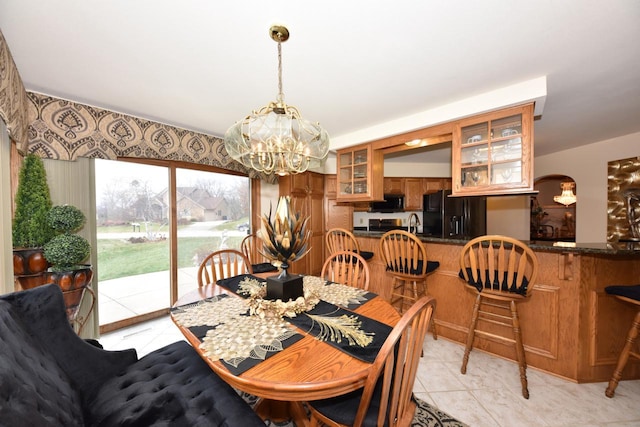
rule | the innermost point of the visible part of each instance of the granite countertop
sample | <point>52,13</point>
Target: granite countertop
<point>622,248</point>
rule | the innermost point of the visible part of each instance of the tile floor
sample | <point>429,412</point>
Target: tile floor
<point>488,395</point>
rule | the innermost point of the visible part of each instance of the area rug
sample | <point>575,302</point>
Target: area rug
<point>426,416</point>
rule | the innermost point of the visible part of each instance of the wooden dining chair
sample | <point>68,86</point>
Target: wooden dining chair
<point>222,264</point>
<point>386,398</point>
<point>502,271</point>
<point>249,247</point>
<point>340,239</point>
<point>405,259</point>
<point>348,268</point>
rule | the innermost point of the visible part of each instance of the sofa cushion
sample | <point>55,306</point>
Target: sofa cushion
<point>34,390</point>
<point>172,386</point>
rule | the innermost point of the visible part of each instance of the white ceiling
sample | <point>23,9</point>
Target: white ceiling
<point>363,69</point>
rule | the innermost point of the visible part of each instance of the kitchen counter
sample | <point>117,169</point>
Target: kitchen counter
<point>621,248</point>
<point>570,325</point>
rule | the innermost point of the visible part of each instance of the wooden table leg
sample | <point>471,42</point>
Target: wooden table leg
<point>278,411</point>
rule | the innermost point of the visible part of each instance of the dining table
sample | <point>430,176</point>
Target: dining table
<point>311,360</point>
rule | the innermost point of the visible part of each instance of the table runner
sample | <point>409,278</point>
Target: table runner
<point>248,340</point>
<point>335,293</point>
<point>227,333</point>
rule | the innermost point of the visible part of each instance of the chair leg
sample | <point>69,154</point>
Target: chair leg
<point>522,363</point>
<point>624,356</point>
<point>471,335</point>
<point>432,323</point>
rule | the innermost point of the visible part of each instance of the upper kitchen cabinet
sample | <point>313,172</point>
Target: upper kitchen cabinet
<point>393,185</point>
<point>493,153</point>
<point>360,174</point>
<point>414,190</point>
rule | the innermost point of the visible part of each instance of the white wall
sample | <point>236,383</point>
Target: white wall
<point>268,196</point>
<point>416,169</point>
<point>509,216</point>
<point>587,165</point>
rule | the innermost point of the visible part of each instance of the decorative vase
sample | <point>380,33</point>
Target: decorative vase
<point>285,239</point>
<point>29,267</point>
<point>284,286</point>
<point>73,284</point>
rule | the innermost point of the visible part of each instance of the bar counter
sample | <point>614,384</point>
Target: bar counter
<point>571,327</point>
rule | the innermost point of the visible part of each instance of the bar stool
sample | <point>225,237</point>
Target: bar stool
<point>502,271</point>
<point>339,239</point>
<point>405,258</point>
<point>630,294</point>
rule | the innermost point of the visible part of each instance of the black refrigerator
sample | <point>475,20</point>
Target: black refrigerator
<point>454,217</point>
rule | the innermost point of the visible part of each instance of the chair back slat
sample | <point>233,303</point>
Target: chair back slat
<point>339,239</point>
<point>348,268</point>
<point>499,264</point>
<point>403,253</point>
<point>222,264</point>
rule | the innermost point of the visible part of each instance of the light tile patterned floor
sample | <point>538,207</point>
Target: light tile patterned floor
<point>488,395</point>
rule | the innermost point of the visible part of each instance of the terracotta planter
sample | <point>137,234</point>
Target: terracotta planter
<point>73,284</point>
<point>29,267</point>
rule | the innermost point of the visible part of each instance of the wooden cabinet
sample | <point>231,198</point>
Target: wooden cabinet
<point>433,185</point>
<point>307,196</point>
<point>414,190</point>
<point>360,174</point>
<point>393,185</point>
<point>336,214</point>
<point>330,185</point>
<point>493,153</point>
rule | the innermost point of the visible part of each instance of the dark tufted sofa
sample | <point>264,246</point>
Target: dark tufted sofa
<point>51,377</point>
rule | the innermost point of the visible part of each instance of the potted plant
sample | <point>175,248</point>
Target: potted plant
<point>30,229</point>
<point>67,252</point>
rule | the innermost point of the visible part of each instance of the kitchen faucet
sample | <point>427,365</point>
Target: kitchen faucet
<point>417,223</point>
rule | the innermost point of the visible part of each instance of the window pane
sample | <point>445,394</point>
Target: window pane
<point>133,239</point>
<point>213,212</point>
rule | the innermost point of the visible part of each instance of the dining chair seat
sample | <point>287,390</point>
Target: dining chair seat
<point>631,295</point>
<point>501,271</point>
<point>387,396</point>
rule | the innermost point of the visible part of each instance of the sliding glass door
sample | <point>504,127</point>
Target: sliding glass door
<point>141,247</point>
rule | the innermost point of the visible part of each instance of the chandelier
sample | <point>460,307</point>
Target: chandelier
<point>275,138</point>
<point>566,197</point>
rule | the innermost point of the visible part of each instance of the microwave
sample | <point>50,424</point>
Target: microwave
<point>391,203</point>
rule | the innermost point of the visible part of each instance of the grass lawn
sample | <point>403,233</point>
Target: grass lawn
<point>120,258</point>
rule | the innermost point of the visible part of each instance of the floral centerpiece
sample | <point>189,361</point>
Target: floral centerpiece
<point>285,237</point>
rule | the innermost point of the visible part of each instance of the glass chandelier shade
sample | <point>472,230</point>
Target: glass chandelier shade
<point>566,197</point>
<point>275,138</point>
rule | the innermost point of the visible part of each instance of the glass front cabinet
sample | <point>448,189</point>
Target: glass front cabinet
<point>493,153</point>
<point>359,175</point>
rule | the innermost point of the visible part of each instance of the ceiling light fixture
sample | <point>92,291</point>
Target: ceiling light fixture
<point>413,142</point>
<point>275,138</point>
<point>567,197</point>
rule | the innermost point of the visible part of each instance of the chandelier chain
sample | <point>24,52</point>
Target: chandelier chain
<point>280,94</point>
